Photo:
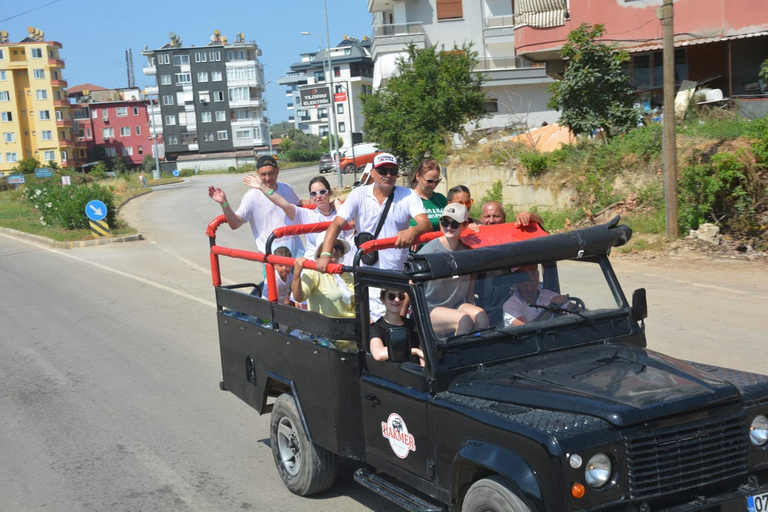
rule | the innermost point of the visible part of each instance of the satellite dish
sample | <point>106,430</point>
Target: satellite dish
<point>86,92</point>
<point>31,29</point>
<point>172,35</point>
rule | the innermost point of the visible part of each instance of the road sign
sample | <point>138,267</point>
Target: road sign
<point>95,210</point>
<point>315,97</point>
<point>43,172</point>
<point>99,228</point>
<point>66,180</point>
<point>15,179</point>
<point>175,173</point>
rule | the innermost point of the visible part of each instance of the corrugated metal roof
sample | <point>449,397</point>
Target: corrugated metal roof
<point>649,47</point>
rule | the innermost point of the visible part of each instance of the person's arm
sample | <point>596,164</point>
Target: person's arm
<point>525,218</point>
<point>406,237</point>
<point>420,354</point>
<point>296,289</point>
<point>255,181</point>
<point>330,236</point>
<point>378,349</point>
<point>220,197</point>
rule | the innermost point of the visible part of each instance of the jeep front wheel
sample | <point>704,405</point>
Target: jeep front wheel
<point>304,467</point>
<point>492,495</point>
<point>349,168</point>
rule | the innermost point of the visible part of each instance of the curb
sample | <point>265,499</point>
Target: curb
<point>71,245</point>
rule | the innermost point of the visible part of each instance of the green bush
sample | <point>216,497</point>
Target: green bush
<point>535,163</point>
<point>65,206</point>
<point>186,172</point>
<point>300,155</point>
<point>495,194</point>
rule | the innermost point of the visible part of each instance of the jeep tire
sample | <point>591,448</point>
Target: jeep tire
<point>349,168</point>
<point>492,495</point>
<point>304,467</point>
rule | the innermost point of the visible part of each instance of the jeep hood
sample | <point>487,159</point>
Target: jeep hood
<point>623,385</point>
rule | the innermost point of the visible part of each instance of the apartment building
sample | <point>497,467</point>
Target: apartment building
<point>116,119</point>
<point>34,111</point>
<point>210,100</point>
<point>351,67</point>
<point>516,87</point>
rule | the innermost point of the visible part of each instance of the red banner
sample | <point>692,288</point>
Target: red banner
<point>340,96</point>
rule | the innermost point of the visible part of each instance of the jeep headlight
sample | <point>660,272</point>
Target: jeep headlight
<point>758,430</point>
<point>598,470</point>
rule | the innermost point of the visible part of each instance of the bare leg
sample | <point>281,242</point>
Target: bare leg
<point>446,321</point>
<point>478,315</point>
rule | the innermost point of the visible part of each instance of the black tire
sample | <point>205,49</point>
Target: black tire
<point>492,494</point>
<point>304,467</point>
<point>349,168</point>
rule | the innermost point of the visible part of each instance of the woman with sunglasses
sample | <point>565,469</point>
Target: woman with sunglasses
<point>393,301</point>
<point>424,181</point>
<point>321,195</point>
<point>451,300</point>
<point>460,194</point>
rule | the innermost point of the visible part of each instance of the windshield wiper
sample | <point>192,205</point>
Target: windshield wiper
<point>556,309</point>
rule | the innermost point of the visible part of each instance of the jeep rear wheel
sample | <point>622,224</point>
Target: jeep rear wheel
<point>304,467</point>
<point>349,168</point>
<point>492,495</point>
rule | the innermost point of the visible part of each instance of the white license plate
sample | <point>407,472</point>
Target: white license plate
<point>758,503</point>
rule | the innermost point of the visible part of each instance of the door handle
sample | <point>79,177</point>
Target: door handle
<point>372,398</point>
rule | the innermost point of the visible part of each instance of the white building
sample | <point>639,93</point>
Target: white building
<point>516,88</point>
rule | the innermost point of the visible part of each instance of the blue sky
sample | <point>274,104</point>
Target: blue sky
<point>95,35</point>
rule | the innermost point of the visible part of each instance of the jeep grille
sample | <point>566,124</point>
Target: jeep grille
<point>666,460</point>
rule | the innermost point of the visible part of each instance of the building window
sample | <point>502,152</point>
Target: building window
<point>9,137</point>
<point>238,94</point>
<point>322,113</point>
<point>37,53</point>
<point>47,135</point>
<point>10,158</point>
<point>183,78</point>
<point>167,99</point>
<point>170,120</point>
<point>449,9</point>
<point>127,150</point>
<point>165,79</point>
<point>222,134</point>
<point>135,111</point>
<point>180,97</point>
<point>183,118</point>
<point>216,76</point>
<point>141,150</point>
<point>107,132</point>
<point>39,73</point>
<point>214,56</point>
<point>243,134</point>
<point>125,131</point>
<point>235,55</point>
<point>181,60</point>
<point>3,76</point>
<point>138,130</point>
<point>205,117</point>
<point>63,156</point>
<point>208,137</point>
<point>342,127</point>
<point>121,111</point>
<point>241,115</point>
<point>205,96</point>
<point>337,71</point>
<point>6,117</point>
<point>491,105</point>
<point>221,115</point>
<point>5,96</point>
<point>323,130</point>
<point>59,115</point>
<point>87,133</point>
<point>172,140</point>
<point>111,151</point>
<point>42,94</point>
<point>2,54</point>
<point>45,115</point>
<point>202,76</point>
<point>49,155</point>
<point>218,95</point>
<point>319,76</point>
<point>200,57</point>
<point>339,108</point>
<point>95,113</point>
<point>163,58</point>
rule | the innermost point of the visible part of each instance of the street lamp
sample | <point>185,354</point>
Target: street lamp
<point>156,172</point>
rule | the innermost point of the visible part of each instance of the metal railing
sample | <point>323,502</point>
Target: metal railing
<point>398,29</point>
<point>513,62</point>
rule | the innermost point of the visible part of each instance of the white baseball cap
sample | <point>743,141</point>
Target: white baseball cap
<point>384,159</point>
<point>455,211</point>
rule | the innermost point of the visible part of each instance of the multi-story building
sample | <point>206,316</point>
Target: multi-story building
<point>210,100</point>
<point>34,111</point>
<point>516,87</point>
<point>117,119</point>
<point>351,65</point>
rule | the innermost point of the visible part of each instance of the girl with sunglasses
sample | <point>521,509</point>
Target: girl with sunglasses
<point>424,181</point>
<point>321,195</point>
<point>451,300</point>
<point>393,301</point>
<point>460,194</point>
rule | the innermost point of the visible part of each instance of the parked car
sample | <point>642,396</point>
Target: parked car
<point>363,154</point>
<point>325,163</point>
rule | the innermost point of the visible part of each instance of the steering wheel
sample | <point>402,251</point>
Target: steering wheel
<point>546,314</point>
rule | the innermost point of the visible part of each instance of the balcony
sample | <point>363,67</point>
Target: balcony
<point>252,102</point>
<point>59,83</point>
<point>149,70</point>
<point>63,122</point>
<point>500,29</point>
<point>60,103</point>
<point>56,63</point>
<point>512,70</point>
<point>395,38</point>
<point>151,90</point>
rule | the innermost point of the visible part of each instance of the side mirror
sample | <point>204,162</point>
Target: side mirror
<point>398,344</point>
<point>639,305</point>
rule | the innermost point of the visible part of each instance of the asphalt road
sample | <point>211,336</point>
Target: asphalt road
<point>109,364</point>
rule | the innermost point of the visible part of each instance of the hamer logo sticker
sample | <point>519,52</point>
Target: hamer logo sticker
<point>401,442</point>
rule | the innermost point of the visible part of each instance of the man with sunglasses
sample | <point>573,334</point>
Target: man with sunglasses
<point>257,210</point>
<point>366,205</point>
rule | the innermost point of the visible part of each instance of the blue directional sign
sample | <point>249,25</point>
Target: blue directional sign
<point>15,178</point>
<point>176,173</point>
<point>96,210</point>
<point>43,172</point>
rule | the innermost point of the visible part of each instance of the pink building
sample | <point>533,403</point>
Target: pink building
<point>718,43</point>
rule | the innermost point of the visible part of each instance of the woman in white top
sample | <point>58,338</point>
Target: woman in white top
<point>321,194</point>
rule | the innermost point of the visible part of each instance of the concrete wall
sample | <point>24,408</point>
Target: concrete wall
<point>518,190</point>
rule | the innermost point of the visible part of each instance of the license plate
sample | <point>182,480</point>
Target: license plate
<point>758,503</point>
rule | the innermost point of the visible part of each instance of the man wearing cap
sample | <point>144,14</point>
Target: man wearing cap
<point>257,210</point>
<point>365,206</point>
<point>451,301</point>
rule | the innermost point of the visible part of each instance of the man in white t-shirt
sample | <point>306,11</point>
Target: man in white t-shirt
<point>365,205</point>
<point>520,308</point>
<point>258,211</point>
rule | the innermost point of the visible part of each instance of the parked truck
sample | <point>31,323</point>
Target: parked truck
<point>568,412</point>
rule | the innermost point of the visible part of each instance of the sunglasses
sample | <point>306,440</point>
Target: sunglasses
<point>445,222</point>
<point>322,192</point>
<point>392,171</point>
<point>434,182</point>
<point>338,247</point>
<point>392,296</point>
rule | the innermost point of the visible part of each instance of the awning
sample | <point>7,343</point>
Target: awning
<point>540,13</point>
<point>385,68</point>
<point>650,47</point>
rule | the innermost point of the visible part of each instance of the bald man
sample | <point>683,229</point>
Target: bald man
<point>493,213</point>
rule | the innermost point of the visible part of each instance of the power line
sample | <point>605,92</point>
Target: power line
<point>27,12</point>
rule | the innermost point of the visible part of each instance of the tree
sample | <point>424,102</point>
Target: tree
<point>120,165</point>
<point>282,128</point>
<point>435,93</point>
<point>97,153</point>
<point>595,92</point>
<point>28,165</point>
<point>148,163</point>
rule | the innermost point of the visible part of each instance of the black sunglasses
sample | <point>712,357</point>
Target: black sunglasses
<point>338,247</point>
<point>393,296</point>
<point>322,192</point>
<point>392,171</point>
<point>445,222</point>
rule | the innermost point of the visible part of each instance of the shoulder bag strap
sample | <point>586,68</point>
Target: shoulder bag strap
<point>384,213</point>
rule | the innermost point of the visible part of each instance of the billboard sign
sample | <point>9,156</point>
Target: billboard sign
<point>315,97</point>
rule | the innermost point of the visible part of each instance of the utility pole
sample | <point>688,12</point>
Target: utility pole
<point>332,113</point>
<point>670,146</point>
